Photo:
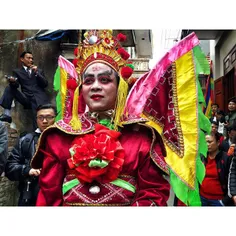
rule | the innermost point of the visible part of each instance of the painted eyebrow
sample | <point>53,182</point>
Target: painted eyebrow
<point>109,73</point>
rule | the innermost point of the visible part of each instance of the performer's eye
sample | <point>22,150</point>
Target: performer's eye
<point>105,79</point>
<point>88,81</point>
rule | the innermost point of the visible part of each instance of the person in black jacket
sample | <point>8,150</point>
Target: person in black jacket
<point>32,82</point>
<point>231,130</point>
<point>214,188</point>
<point>18,164</point>
<point>3,146</point>
<point>232,179</point>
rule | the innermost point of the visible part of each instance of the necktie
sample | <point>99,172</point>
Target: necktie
<point>28,71</point>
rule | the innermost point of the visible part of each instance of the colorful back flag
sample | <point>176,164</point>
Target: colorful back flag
<point>170,97</point>
<point>209,94</point>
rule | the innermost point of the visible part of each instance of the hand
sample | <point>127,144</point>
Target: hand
<point>34,68</point>
<point>234,199</point>
<point>34,172</point>
<point>12,79</point>
<point>226,124</point>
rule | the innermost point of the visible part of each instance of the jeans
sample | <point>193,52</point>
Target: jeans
<point>211,202</point>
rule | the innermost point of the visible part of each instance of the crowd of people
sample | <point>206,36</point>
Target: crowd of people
<point>218,187</point>
<point>58,168</point>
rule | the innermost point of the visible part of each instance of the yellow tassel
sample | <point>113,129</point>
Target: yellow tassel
<point>63,90</point>
<point>120,102</point>
<point>75,121</point>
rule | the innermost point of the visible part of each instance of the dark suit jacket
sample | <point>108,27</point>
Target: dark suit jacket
<point>32,87</point>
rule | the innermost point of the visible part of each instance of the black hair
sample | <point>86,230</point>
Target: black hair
<point>47,106</point>
<point>216,135</point>
<point>215,104</point>
<point>117,77</point>
<point>232,100</point>
<point>22,55</point>
<point>220,112</point>
<point>215,123</point>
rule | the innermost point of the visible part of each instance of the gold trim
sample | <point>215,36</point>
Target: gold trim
<point>96,204</point>
<point>179,151</point>
<point>75,132</point>
<point>152,144</point>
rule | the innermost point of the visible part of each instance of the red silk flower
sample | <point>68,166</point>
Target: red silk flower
<point>100,147</point>
<point>125,55</point>
<point>121,37</point>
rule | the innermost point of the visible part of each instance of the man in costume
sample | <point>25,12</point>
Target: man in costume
<point>107,149</point>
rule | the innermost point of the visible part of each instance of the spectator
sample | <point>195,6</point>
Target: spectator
<point>214,191</point>
<point>231,134</point>
<point>214,129</point>
<point>3,146</point>
<point>32,82</point>
<point>231,116</point>
<point>18,163</point>
<point>220,118</point>
<point>214,109</point>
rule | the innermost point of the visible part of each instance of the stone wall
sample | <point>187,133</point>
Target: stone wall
<point>45,54</point>
<point>8,189</point>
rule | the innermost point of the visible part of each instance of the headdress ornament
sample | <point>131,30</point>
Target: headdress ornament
<point>102,46</point>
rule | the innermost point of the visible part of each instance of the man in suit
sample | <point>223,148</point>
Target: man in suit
<point>32,82</point>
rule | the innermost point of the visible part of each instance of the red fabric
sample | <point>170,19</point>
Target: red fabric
<point>151,187</point>
<point>103,144</point>
<point>221,139</point>
<point>160,106</point>
<point>211,187</point>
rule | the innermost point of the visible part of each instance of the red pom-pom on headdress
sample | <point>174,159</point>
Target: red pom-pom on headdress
<point>126,72</point>
<point>125,55</point>
<point>121,37</point>
<point>71,84</point>
<point>75,62</point>
<point>76,51</point>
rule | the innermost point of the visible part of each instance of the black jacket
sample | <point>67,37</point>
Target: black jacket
<point>225,145</point>
<point>18,166</point>
<point>3,146</point>
<point>32,87</point>
<point>232,178</point>
<point>223,164</point>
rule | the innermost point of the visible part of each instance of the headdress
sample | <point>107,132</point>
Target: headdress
<point>101,46</point>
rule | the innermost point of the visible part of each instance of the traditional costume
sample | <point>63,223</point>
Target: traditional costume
<point>88,161</point>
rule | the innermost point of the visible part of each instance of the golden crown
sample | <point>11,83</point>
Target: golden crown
<point>102,46</point>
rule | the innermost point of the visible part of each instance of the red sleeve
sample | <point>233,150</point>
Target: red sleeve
<point>54,154</point>
<point>50,182</point>
<point>153,188</point>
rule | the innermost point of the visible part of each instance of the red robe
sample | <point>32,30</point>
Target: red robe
<point>142,170</point>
